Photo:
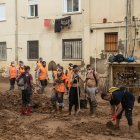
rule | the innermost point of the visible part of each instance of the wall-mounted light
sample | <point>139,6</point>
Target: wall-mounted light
<point>91,30</point>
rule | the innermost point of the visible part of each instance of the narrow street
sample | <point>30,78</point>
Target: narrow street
<point>43,125</point>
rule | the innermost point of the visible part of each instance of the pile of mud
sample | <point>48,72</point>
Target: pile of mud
<point>13,102</point>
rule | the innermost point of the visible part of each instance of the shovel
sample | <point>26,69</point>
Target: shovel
<point>79,108</point>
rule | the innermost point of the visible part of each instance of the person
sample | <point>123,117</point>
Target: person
<point>39,63</point>
<point>12,72</point>
<point>58,90</point>
<point>91,84</point>
<point>26,91</point>
<point>120,100</point>
<point>74,90</point>
<point>54,72</point>
<point>69,73</point>
<point>42,75</point>
<point>20,68</point>
<point>38,66</point>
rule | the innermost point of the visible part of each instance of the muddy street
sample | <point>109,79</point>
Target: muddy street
<point>44,125</point>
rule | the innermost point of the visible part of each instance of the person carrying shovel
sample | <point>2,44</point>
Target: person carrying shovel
<point>74,91</point>
<point>120,100</point>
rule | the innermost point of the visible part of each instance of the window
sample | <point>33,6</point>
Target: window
<point>71,6</point>
<point>33,49</point>
<point>2,12</point>
<point>33,8</point>
<point>111,42</point>
<point>3,51</point>
<point>72,49</point>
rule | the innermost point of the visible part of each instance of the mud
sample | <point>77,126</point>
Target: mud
<point>44,125</point>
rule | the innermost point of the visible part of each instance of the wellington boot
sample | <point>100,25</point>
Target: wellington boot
<point>28,111</point>
<point>23,111</point>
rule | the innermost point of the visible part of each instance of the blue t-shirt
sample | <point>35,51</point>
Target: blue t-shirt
<point>127,99</point>
<point>117,97</point>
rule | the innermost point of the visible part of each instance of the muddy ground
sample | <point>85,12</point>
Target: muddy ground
<point>43,125</point>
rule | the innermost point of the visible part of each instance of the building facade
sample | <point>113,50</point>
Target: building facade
<point>64,31</point>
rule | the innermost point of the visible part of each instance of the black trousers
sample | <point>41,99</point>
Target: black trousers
<point>128,115</point>
<point>12,83</point>
<point>43,82</point>
<point>73,98</point>
<point>43,85</point>
<point>26,97</point>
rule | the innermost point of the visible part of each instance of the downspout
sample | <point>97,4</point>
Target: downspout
<point>16,31</point>
<point>126,51</point>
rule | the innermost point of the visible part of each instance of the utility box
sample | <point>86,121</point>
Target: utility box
<point>126,74</point>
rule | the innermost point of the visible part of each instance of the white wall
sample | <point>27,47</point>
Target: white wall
<point>7,31</point>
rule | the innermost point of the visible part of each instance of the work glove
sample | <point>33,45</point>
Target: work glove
<point>114,117</point>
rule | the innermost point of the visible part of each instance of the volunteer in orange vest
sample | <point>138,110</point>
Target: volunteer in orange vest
<point>69,73</point>
<point>54,72</point>
<point>42,75</point>
<point>38,65</point>
<point>21,69</point>
<point>59,90</point>
<point>12,72</point>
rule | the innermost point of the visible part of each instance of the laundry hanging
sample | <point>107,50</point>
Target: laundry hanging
<point>47,23</point>
<point>62,23</point>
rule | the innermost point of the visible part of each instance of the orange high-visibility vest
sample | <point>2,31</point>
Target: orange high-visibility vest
<point>60,87</point>
<point>21,70</point>
<point>13,72</point>
<point>43,74</point>
<point>69,75</point>
<point>39,65</point>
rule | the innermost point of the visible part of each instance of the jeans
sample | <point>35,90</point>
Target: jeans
<point>92,98</point>
<point>57,97</point>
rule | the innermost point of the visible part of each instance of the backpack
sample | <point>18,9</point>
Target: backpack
<point>131,59</point>
<point>111,58</point>
<point>22,84</point>
<point>119,58</point>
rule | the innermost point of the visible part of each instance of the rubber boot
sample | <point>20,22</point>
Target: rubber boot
<point>93,108</point>
<point>54,110</point>
<point>23,110</point>
<point>70,109</point>
<point>76,110</point>
<point>28,111</point>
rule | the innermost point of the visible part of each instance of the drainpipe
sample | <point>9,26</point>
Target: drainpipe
<point>126,19</point>
<point>16,31</point>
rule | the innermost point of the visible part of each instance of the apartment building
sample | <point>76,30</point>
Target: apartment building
<point>64,31</point>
